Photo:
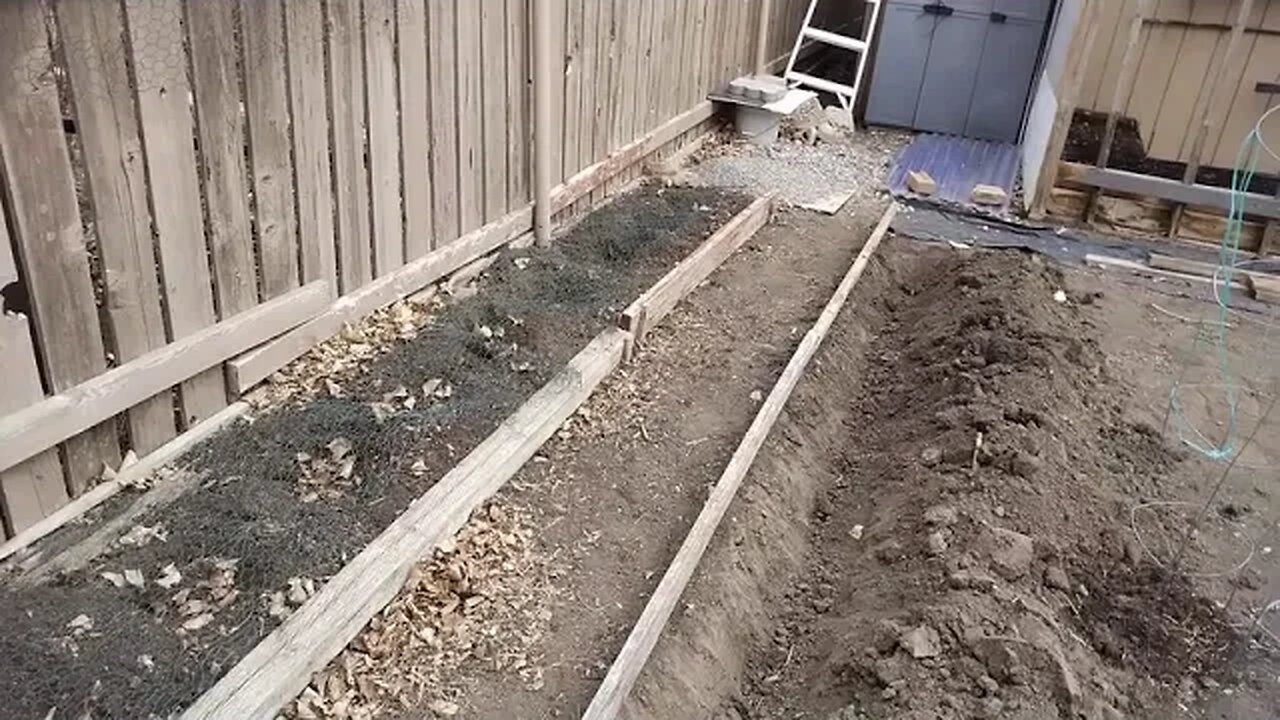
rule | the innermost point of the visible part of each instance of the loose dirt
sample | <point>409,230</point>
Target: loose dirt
<point>286,500</point>
<point>940,525</point>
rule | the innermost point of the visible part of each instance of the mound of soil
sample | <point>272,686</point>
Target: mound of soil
<point>967,553</point>
<point>285,501</point>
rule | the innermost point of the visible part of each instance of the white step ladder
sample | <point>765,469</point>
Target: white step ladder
<point>846,94</point>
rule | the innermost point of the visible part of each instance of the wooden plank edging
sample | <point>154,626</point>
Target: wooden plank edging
<point>126,476</point>
<point>660,299</point>
<point>644,636</point>
<point>38,427</point>
<point>1166,189</point>
<point>280,666</point>
<point>259,363</point>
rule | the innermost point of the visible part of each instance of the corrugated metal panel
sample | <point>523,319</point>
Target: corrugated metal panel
<point>957,164</point>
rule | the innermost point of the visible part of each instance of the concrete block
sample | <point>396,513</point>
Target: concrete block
<point>921,183</point>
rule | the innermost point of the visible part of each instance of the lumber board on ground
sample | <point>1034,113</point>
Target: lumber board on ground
<point>658,300</point>
<point>1123,264</point>
<point>258,364</point>
<point>1138,184</point>
<point>126,476</point>
<point>44,424</point>
<point>1182,265</point>
<point>644,636</point>
<point>281,665</point>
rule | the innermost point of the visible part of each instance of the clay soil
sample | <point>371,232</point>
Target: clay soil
<point>942,525</point>
<point>283,502</point>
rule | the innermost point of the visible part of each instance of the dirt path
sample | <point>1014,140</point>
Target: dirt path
<point>607,502</point>
<point>880,563</point>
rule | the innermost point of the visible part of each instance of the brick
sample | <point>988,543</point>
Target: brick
<point>921,183</point>
<point>989,195</point>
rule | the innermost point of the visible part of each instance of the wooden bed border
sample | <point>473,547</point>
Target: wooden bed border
<point>635,652</point>
<point>281,665</point>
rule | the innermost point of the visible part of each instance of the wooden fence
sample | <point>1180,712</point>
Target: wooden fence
<point>169,167</point>
<point>1180,46</point>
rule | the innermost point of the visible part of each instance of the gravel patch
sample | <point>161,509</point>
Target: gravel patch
<point>802,173</point>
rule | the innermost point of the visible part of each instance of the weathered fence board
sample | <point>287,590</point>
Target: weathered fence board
<point>49,239</point>
<point>519,129</point>
<point>384,135</point>
<point>441,28</point>
<point>304,26</point>
<point>493,176</point>
<point>471,167</point>
<point>351,177</point>
<point>107,127</point>
<point>34,488</point>
<point>415,126</point>
<point>267,110</point>
<point>216,87</point>
<point>156,35</point>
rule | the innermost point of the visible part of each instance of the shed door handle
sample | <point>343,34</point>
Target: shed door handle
<point>938,9</point>
<point>999,17</point>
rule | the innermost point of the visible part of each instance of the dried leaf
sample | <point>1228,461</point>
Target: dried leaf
<point>298,591</point>
<point>347,468</point>
<point>382,411</point>
<point>276,607</point>
<point>333,388</point>
<point>444,391</point>
<point>146,662</point>
<point>81,622</point>
<point>429,387</point>
<point>339,448</point>
<point>443,708</point>
<point>134,577</point>
<point>193,607</point>
<point>198,622</point>
<point>419,467</point>
<point>141,535</point>
<point>114,578</point>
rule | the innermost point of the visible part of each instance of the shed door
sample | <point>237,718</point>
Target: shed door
<point>962,67</point>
